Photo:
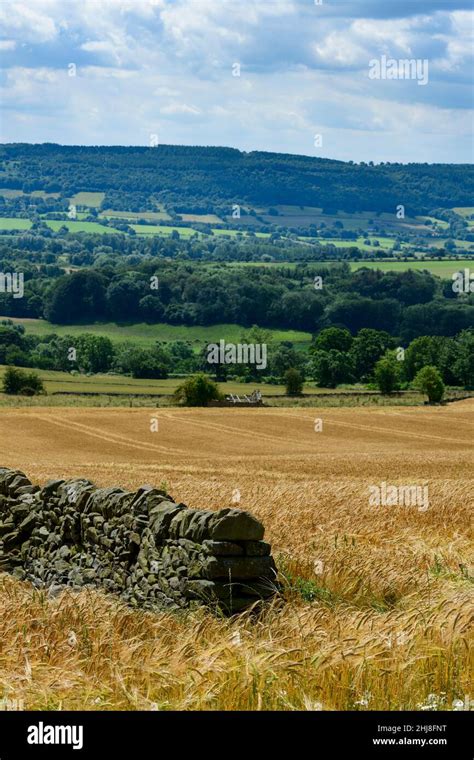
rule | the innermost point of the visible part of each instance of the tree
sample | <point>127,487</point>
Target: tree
<point>94,352</point>
<point>421,352</point>
<point>463,368</point>
<point>197,391</point>
<point>428,380</point>
<point>367,348</point>
<point>76,298</point>
<point>387,374</point>
<point>144,363</point>
<point>284,357</point>
<point>332,367</point>
<point>16,381</point>
<point>293,382</point>
<point>336,338</point>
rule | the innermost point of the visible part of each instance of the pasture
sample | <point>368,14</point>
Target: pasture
<point>377,607</point>
<point>146,335</point>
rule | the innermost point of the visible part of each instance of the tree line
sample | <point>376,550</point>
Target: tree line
<point>177,174</point>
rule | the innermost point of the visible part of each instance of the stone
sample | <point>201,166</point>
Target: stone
<point>239,568</point>
<point>223,548</point>
<point>161,516</point>
<point>28,524</point>
<point>143,546</point>
<point>235,525</point>
<point>257,549</point>
<point>51,487</point>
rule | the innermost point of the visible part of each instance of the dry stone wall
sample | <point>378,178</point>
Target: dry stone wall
<point>143,546</point>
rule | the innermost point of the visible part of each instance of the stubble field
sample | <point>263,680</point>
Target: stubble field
<point>377,607</point>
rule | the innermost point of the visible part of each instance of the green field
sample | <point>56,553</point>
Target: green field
<point>146,335</point>
<point>93,200</point>
<point>385,243</point>
<point>164,230</point>
<point>444,269</point>
<point>149,216</point>
<point>64,382</point>
<point>10,223</point>
<point>464,210</point>
<point>8,192</point>
<point>92,227</point>
<point>203,218</point>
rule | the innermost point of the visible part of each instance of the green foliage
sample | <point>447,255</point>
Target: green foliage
<point>339,339</point>
<point>76,298</point>
<point>387,374</point>
<point>428,380</point>
<point>330,368</point>
<point>463,367</point>
<point>192,174</point>
<point>95,353</point>
<point>367,348</point>
<point>197,391</point>
<point>293,382</point>
<point>16,381</point>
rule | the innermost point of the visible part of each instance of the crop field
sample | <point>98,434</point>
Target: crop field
<point>376,606</point>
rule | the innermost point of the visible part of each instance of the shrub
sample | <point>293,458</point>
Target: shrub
<point>428,380</point>
<point>387,375</point>
<point>293,382</point>
<point>197,391</point>
<point>16,381</point>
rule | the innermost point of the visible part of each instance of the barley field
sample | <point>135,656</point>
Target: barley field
<point>376,610</point>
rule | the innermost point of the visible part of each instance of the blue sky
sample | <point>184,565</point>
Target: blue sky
<point>167,68</point>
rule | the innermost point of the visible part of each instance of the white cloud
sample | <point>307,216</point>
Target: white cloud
<point>146,66</point>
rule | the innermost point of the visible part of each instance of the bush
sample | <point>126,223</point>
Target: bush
<point>293,382</point>
<point>197,391</point>
<point>387,375</point>
<point>428,380</point>
<point>16,381</point>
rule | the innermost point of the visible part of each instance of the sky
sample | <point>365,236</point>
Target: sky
<point>290,76</point>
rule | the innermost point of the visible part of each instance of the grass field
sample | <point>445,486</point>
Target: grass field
<point>442,268</point>
<point>385,243</point>
<point>64,382</point>
<point>377,606</point>
<point>143,334</point>
<point>11,223</point>
<point>464,210</point>
<point>150,216</point>
<point>92,200</point>
<point>203,218</point>
<point>104,384</point>
<point>163,229</point>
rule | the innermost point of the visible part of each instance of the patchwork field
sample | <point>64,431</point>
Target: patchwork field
<point>378,598</point>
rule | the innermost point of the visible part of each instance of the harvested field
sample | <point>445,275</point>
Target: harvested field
<point>378,598</point>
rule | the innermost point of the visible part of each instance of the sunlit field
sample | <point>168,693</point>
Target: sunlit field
<point>376,602</point>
